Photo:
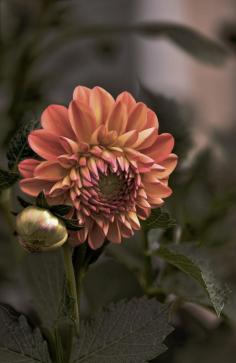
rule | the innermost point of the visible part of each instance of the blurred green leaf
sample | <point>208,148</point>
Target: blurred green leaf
<point>44,274</point>
<point>191,41</point>
<point>175,117</point>
<point>18,148</point>
<point>131,331</point>
<point>18,342</point>
<point>217,347</point>
<point>109,281</point>
<point>192,260</point>
<point>130,254</point>
<point>23,203</point>
<point>158,219</point>
<point>184,287</point>
<point>7,179</point>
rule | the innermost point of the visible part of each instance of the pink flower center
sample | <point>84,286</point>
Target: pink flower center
<point>107,190</point>
<point>110,185</point>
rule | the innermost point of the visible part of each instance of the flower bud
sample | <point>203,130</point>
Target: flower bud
<point>39,230</point>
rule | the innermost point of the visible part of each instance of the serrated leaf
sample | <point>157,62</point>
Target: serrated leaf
<point>158,219</point>
<point>18,147</point>
<point>19,342</point>
<point>131,331</point>
<point>192,260</point>
<point>7,178</point>
<point>44,274</point>
<point>60,209</point>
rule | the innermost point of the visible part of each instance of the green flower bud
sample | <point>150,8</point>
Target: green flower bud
<point>39,230</point>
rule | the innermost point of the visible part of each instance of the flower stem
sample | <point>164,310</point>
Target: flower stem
<point>71,287</point>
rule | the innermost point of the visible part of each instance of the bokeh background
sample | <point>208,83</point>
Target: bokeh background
<point>47,47</point>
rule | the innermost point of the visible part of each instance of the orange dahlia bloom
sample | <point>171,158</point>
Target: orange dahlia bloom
<point>104,157</point>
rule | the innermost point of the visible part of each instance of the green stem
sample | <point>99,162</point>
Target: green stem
<point>71,286</point>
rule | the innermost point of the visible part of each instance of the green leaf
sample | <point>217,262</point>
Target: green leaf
<point>23,202</point>
<point>130,254</point>
<point>104,274</point>
<point>19,342</point>
<point>7,178</point>
<point>158,219</point>
<point>44,274</point>
<point>192,260</point>
<point>18,147</point>
<point>41,201</point>
<point>131,332</point>
<point>188,39</point>
<point>169,109</point>
<point>71,224</point>
<point>191,41</point>
<point>60,209</point>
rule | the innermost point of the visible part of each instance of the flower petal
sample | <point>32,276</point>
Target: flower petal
<point>137,118</point>
<point>128,139</point>
<point>162,147</point>
<point>152,120</point>
<point>114,234</point>
<point>82,120</point>
<point>96,236</point>
<point>127,99</point>
<point>50,170</point>
<point>101,102</point>
<point>70,146</point>
<point>82,94</point>
<point>169,164</point>
<point>133,219</point>
<point>155,201</point>
<point>55,120</point>
<point>45,144</point>
<point>146,138</point>
<point>33,186</point>
<point>157,189</point>
<point>26,167</point>
<point>118,119</point>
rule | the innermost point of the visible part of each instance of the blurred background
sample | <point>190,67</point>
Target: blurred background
<point>47,47</point>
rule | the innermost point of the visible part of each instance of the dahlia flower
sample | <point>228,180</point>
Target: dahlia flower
<point>105,158</point>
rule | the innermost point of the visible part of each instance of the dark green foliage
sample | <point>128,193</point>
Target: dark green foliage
<point>191,259</point>
<point>158,219</point>
<point>23,202</point>
<point>104,274</point>
<point>19,342</point>
<point>71,224</point>
<point>44,274</point>
<point>174,117</point>
<point>7,179</point>
<point>189,40</point>
<point>41,201</point>
<point>18,148</point>
<point>60,209</point>
<point>131,332</point>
